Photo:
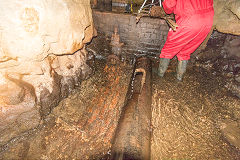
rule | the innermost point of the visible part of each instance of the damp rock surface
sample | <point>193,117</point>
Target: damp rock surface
<point>227,16</point>
<point>42,59</point>
<point>221,58</point>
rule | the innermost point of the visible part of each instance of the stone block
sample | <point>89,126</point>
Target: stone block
<point>150,25</point>
<point>143,25</point>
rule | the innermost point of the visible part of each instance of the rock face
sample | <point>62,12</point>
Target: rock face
<point>42,58</point>
<point>227,16</point>
<point>37,29</point>
<point>232,45</point>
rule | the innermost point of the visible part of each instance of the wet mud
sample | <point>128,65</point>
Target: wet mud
<point>221,58</point>
<point>190,120</point>
<point>198,118</point>
<point>82,125</point>
<point>187,116</point>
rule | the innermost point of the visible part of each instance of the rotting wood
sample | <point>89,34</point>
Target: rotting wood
<point>133,135</point>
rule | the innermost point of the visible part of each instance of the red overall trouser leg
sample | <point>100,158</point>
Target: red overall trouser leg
<point>189,35</point>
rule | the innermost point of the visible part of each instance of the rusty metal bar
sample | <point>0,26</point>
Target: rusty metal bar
<point>133,135</point>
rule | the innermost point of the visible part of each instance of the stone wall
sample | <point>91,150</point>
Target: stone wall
<point>121,1</point>
<point>42,58</point>
<point>146,37</point>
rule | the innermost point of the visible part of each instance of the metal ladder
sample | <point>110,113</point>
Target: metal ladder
<point>148,6</point>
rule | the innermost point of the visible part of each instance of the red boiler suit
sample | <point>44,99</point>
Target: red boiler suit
<point>194,19</point>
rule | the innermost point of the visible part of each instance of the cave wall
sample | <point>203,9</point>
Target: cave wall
<point>42,58</point>
<point>227,16</point>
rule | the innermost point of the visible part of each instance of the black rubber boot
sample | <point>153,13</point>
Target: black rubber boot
<point>181,69</point>
<point>163,65</point>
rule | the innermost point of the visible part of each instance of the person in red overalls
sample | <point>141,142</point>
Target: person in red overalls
<point>194,19</point>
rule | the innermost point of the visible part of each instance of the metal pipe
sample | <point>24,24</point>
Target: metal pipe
<point>133,135</point>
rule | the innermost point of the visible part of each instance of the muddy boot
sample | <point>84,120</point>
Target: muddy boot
<point>181,69</point>
<point>163,65</point>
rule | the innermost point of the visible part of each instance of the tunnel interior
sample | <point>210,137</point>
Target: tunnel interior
<point>78,81</point>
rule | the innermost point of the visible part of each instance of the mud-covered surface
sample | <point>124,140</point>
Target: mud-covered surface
<point>187,117</point>
<point>200,117</point>
<point>222,58</point>
<point>196,119</point>
<point>81,126</point>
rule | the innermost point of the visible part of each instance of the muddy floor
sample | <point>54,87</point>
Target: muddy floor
<point>187,117</point>
<point>198,118</point>
<point>81,126</point>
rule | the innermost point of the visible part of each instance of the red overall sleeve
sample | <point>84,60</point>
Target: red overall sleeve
<point>169,6</point>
